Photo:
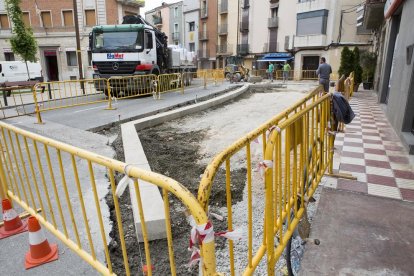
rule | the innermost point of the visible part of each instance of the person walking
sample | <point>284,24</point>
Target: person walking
<point>286,70</point>
<point>270,71</point>
<point>323,72</point>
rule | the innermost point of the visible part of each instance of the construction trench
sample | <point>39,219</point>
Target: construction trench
<point>181,149</point>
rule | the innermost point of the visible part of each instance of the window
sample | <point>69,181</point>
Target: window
<point>89,58</point>
<point>4,21</point>
<point>46,18</point>
<point>191,26</point>
<point>148,37</point>
<point>175,28</point>
<point>26,19</point>
<point>192,47</point>
<point>90,19</point>
<point>176,12</point>
<point>71,58</point>
<point>68,18</point>
<point>312,23</point>
<point>9,56</point>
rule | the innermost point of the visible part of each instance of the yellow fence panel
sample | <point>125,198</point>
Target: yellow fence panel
<point>255,213</point>
<point>69,185</point>
<point>170,82</point>
<point>132,86</point>
<point>16,101</point>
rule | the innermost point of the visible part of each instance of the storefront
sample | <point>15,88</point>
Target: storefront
<point>396,86</point>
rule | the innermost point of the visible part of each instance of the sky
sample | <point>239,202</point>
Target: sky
<point>150,4</point>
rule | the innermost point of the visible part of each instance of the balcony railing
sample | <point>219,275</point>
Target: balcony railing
<point>224,6</point>
<point>374,14</point>
<point>243,49</point>
<point>225,49</point>
<point>306,6</point>
<point>310,40</point>
<point>157,20</point>
<point>203,35</point>
<point>204,13</point>
<point>273,22</point>
<point>176,36</point>
<point>244,26</point>
<point>203,53</point>
<point>223,29</point>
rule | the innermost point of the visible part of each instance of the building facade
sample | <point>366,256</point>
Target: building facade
<point>208,27</point>
<point>160,17</point>
<point>176,24</point>
<point>53,27</point>
<point>323,28</point>
<point>191,13</point>
<point>395,82</point>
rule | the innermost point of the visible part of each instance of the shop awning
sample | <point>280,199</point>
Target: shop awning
<point>275,59</point>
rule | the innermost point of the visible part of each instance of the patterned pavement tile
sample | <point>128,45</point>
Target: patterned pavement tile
<point>370,150</point>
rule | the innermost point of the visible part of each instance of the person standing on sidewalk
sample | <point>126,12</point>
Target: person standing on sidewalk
<point>286,70</point>
<point>270,71</point>
<point>323,72</point>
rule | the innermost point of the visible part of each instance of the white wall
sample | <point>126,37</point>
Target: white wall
<point>259,13</point>
<point>287,22</point>
<point>191,36</point>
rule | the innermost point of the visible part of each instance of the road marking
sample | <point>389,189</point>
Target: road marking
<point>83,110</point>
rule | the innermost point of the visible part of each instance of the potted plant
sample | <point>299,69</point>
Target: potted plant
<point>368,63</point>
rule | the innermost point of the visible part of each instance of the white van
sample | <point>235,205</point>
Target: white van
<point>11,71</point>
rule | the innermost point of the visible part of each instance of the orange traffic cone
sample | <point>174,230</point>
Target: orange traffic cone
<point>12,223</point>
<point>40,251</point>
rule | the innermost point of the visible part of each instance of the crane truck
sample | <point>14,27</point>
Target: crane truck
<point>132,48</point>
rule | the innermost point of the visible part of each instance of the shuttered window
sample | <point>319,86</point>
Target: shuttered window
<point>67,18</point>
<point>26,19</point>
<point>46,19</point>
<point>90,18</point>
<point>4,21</point>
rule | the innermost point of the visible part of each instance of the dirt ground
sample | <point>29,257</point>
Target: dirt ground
<point>175,150</point>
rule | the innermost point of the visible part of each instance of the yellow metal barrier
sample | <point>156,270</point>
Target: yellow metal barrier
<point>132,86</point>
<point>170,82</point>
<point>69,185</point>
<point>62,94</point>
<point>15,101</point>
<point>309,117</point>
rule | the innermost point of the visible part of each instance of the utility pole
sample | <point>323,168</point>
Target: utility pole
<point>78,47</point>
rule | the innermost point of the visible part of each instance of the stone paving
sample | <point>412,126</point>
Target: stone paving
<point>370,150</point>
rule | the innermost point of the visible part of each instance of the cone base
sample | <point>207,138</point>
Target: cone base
<point>52,256</point>
<point>21,229</point>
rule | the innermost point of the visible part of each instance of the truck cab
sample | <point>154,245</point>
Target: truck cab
<point>123,50</point>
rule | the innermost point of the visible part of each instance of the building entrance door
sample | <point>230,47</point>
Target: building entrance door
<point>51,62</point>
<point>309,67</point>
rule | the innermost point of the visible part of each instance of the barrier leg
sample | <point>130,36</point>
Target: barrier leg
<point>110,107</point>
<point>205,81</point>
<point>37,109</point>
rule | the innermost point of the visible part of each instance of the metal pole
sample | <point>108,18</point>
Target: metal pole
<point>78,47</point>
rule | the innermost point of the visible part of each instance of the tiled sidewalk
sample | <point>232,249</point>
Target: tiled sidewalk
<point>370,150</point>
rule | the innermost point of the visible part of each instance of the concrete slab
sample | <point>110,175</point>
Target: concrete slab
<point>360,235</point>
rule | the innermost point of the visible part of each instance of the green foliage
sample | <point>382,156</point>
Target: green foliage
<point>368,62</point>
<point>357,67</point>
<point>22,42</point>
<point>347,62</point>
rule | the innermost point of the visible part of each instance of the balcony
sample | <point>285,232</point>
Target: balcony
<point>204,13</point>
<point>246,4</point>
<point>374,13</point>
<point>312,5</point>
<point>244,25</point>
<point>273,22</point>
<point>224,6</point>
<point>274,1</point>
<point>225,49</point>
<point>203,54</point>
<point>223,29</point>
<point>310,41</point>
<point>176,36</point>
<point>243,49</point>
<point>203,35</point>
<point>270,47</point>
<point>157,20</point>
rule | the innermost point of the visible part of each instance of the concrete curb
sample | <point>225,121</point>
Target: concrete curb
<point>134,154</point>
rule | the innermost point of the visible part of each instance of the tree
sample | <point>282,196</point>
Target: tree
<point>357,66</point>
<point>22,42</point>
<point>347,62</point>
